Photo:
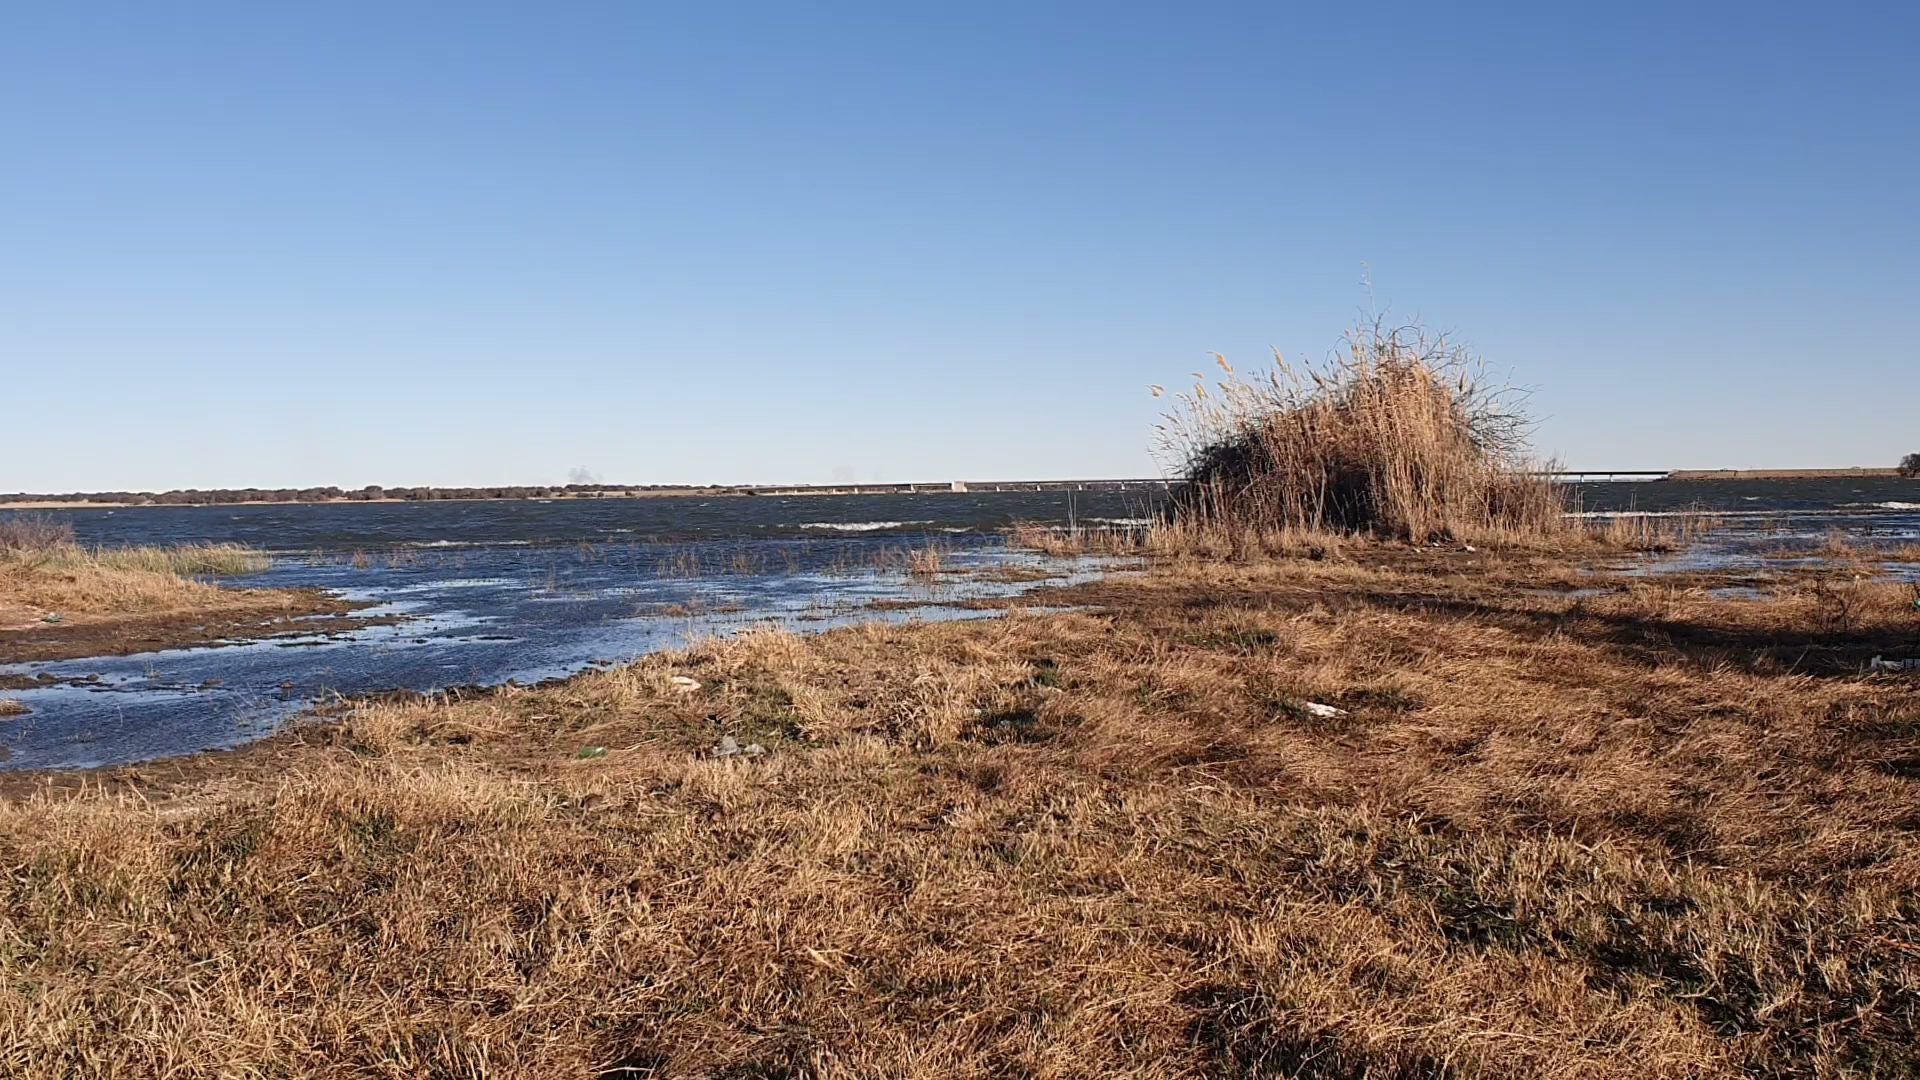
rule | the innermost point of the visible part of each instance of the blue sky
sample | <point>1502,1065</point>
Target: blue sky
<point>275,245</point>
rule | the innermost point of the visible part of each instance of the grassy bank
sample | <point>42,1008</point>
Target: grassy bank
<point>60,599</point>
<point>72,580</point>
<point>1394,812</point>
<point>42,567</point>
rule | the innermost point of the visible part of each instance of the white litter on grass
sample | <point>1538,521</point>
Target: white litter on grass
<point>1881,664</point>
<point>684,684</point>
<point>1324,712</point>
<point>730,747</point>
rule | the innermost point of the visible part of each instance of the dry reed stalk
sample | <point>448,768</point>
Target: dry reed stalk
<point>1082,540</point>
<point>925,562</point>
<point>1398,436</point>
<point>1650,532</point>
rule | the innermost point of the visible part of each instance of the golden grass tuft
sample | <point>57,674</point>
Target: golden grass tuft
<point>926,562</point>
<point>1082,540</point>
<point>185,560</point>
<point>1651,532</point>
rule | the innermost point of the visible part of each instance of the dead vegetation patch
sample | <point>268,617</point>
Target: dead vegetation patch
<point>1642,832</point>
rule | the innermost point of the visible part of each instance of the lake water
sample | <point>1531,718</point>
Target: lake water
<point>496,591</point>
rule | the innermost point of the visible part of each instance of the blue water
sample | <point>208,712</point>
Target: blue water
<point>475,613</point>
<point>669,519</point>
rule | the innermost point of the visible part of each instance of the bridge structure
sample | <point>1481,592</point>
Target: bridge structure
<point>963,486</point>
<point>1599,475</point>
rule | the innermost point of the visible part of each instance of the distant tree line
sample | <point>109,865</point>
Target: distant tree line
<point>370,493</point>
<point>1910,466</point>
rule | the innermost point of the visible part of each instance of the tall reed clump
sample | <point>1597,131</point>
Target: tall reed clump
<point>1398,435</point>
<point>185,560</point>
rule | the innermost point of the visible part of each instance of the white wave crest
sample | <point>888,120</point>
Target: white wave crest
<point>863,526</point>
<point>1833,513</point>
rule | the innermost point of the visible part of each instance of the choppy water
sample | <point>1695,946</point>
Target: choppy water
<point>523,591</point>
<point>1785,499</point>
<point>670,519</point>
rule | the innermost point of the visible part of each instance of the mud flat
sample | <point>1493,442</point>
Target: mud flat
<point>250,615</point>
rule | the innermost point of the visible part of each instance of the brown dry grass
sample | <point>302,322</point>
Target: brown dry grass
<point>1212,538</point>
<point>928,561</point>
<point>1095,540</point>
<point>59,600</point>
<point>1643,833</point>
<point>1841,546</point>
<point>44,572</point>
<point>1649,532</point>
<point>71,590</point>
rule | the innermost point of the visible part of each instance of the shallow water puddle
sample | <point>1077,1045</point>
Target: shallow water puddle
<point>486,618</point>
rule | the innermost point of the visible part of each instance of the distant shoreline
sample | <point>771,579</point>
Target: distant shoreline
<point>303,497</point>
<point>87,502</point>
<point>335,496</point>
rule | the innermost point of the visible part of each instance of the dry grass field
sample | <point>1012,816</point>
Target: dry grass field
<point>1398,812</point>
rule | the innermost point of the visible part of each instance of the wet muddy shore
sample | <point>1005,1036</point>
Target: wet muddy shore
<point>279,613</point>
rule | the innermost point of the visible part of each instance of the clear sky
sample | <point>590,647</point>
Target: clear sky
<point>293,244</point>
